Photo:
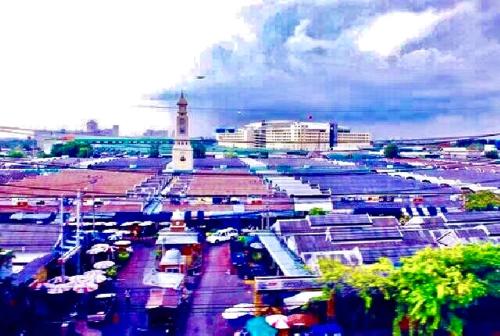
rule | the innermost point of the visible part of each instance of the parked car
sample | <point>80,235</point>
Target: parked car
<point>102,308</point>
<point>223,235</point>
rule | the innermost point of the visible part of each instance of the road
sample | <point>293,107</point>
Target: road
<point>131,319</point>
<point>217,290</point>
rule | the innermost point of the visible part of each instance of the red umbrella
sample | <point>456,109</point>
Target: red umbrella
<point>302,320</point>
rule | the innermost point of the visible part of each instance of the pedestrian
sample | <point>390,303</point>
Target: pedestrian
<point>127,296</point>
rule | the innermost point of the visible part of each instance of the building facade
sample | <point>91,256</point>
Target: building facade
<point>290,135</point>
<point>182,152</point>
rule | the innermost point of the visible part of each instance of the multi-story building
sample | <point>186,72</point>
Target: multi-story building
<point>289,135</point>
<point>346,137</point>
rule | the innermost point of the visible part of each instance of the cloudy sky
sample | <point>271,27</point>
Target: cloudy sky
<point>398,68</point>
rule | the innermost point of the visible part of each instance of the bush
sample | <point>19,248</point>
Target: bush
<point>391,151</point>
<point>492,155</point>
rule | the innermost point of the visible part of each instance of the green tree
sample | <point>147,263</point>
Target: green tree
<point>435,285</point>
<point>15,154</point>
<point>391,151</point>
<point>482,200</point>
<point>230,154</point>
<point>317,211</point>
<point>72,149</point>
<point>199,149</point>
<point>491,154</point>
<point>84,152</point>
<point>432,289</point>
<point>154,150</point>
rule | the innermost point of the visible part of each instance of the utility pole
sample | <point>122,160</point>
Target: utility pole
<point>78,243</point>
<point>61,220</point>
<point>93,180</point>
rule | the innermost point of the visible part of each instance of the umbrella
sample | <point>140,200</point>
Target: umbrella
<point>257,246</point>
<point>110,231</point>
<point>258,326</point>
<point>146,223</point>
<point>238,310</point>
<point>305,320</point>
<point>110,224</point>
<point>59,288</point>
<point>102,265</point>
<point>95,251</point>
<point>238,315</point>
<point>278,321</point>
<point>123,243</point>
<point>59,280</point>
<point>97,278</point>
<point>300,299</point>
<point>79,278</point>
<point>94,272</point>
<point>328,329</point>
<point>101,246</point>
<point>127,224</point>
<point>85,287</point>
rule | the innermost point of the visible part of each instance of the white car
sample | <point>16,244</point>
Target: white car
<point>223,235</point>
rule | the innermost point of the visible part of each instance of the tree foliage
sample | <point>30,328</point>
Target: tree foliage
<point>317,211</point>
<point>491,154</point>
<point>15,154</point>
<point>72,149</point>
<point>482,200</point>
<point>199,149</point>
<point>154,150</point>
<point>391,151</point>
<point>431,289</point>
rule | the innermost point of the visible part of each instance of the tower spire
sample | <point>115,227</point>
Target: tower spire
<point>182,100</point>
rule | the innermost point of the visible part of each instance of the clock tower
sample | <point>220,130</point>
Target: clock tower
<point>182,152</point>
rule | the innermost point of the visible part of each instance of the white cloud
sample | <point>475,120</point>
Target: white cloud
<point>301,42</point>
<point>388,33</point>
<point>62,62</point>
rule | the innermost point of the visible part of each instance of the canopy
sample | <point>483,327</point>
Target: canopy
<point>305,320</point>
<point>259,327</point>
<point>236,311</point>
<point>85,287</point>
<point>301,299</point>
<point>278,321</point>
<point>162,298</point>
<point>282,256</point>
<point>164,280</point>
<point>102,265</point>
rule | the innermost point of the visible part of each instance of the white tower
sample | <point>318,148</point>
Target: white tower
<point>182,152</point>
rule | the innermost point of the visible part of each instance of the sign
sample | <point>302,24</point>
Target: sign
<point>287,283</point>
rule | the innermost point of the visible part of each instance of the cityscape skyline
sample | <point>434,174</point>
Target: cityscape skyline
<point>393,68</point>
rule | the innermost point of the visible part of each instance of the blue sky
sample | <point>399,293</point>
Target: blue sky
<point>397,68</point>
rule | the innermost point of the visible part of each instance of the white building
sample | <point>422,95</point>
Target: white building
<point>290,135</point>
<point>182,152</point>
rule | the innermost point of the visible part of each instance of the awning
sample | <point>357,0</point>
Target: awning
<point>173,238</point>
<point>163,298</point>
<point>164,280</point>
<point>281,255</point>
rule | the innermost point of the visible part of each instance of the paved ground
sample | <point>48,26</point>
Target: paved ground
<point>132,319</point>
<point>217,290</point>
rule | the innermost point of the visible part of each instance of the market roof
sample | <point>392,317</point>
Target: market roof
<point>164,280</point>
<point>162,297</point>
<point>174,238</point>
<point>286,261</point>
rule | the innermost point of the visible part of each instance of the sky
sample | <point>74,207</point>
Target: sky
<point>396,68</point>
